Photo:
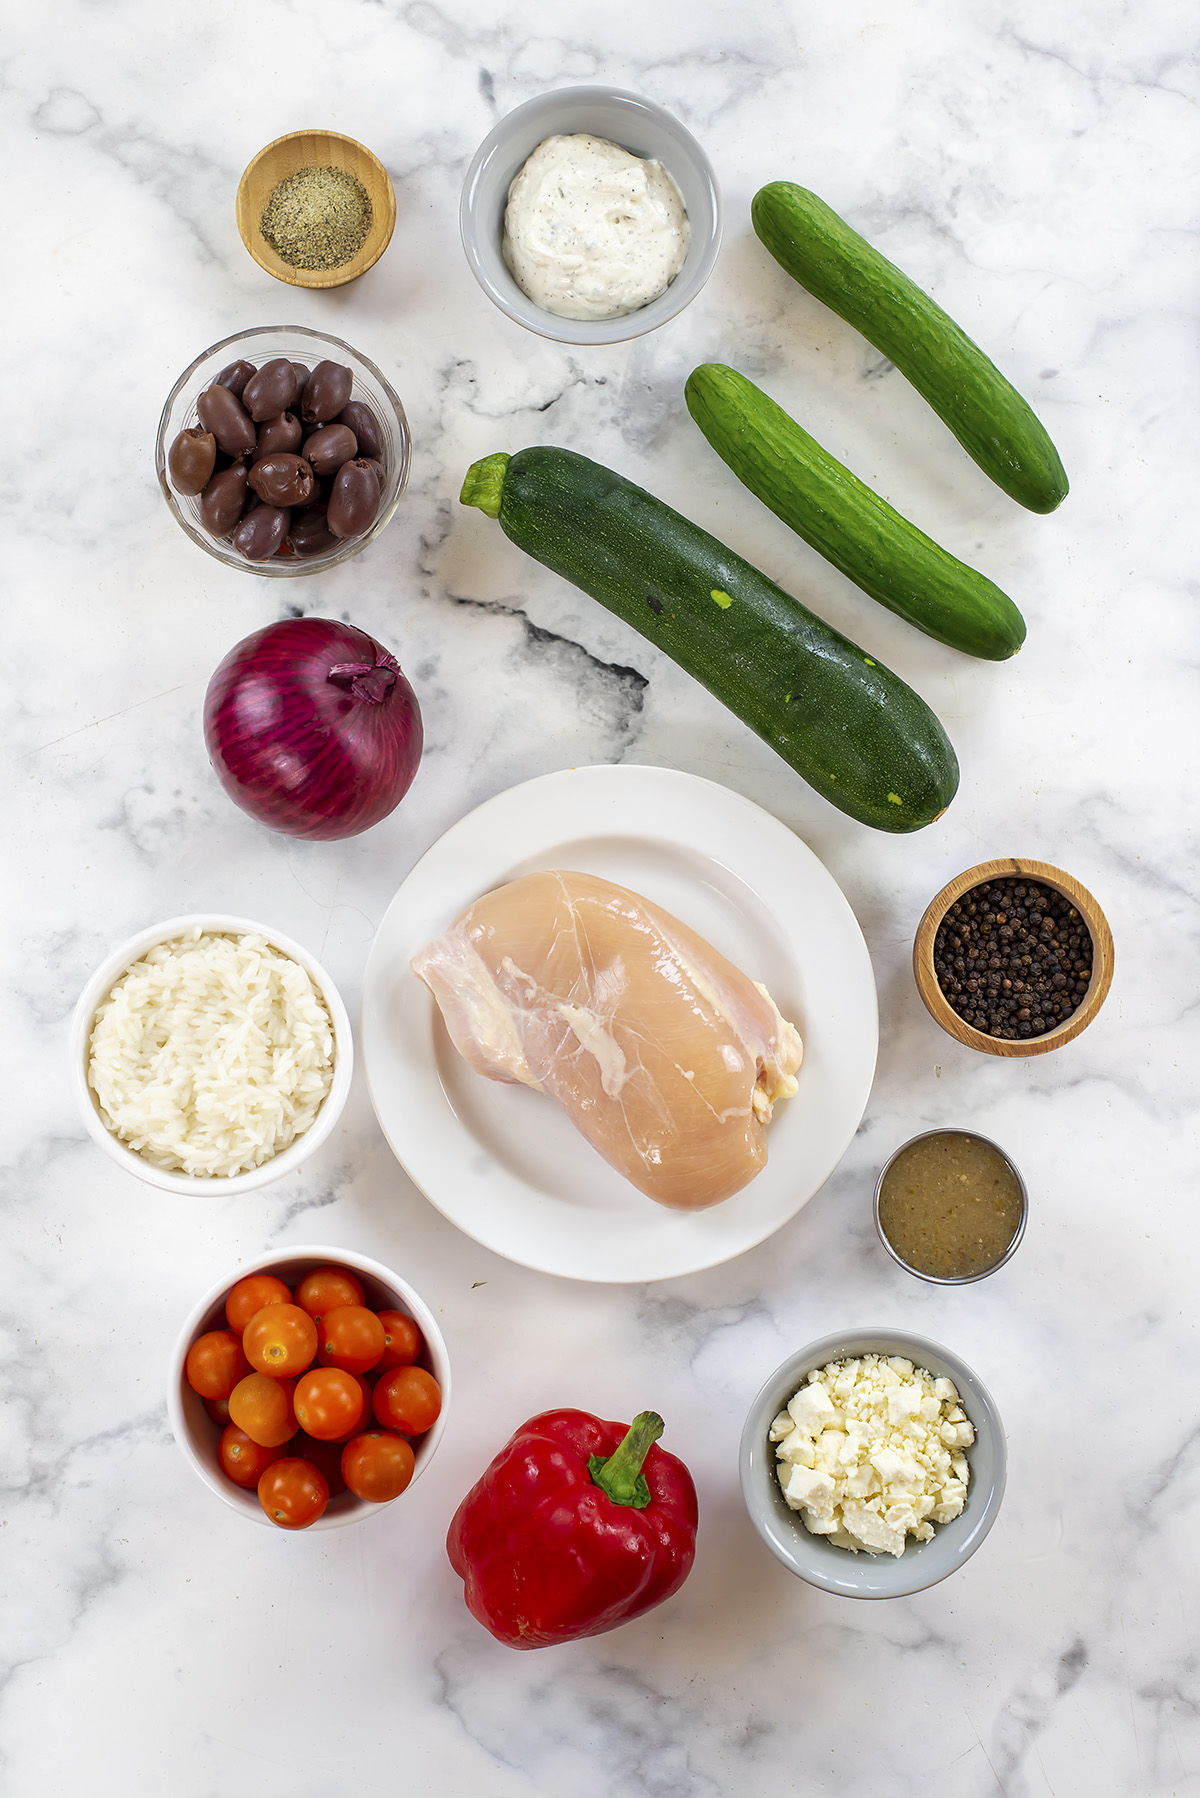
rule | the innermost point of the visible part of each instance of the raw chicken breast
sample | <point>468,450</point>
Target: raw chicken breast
<point>662,1054</point>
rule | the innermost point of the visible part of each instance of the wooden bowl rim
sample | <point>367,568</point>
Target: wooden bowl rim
<point>935,1001</point>
<point>383,204</point>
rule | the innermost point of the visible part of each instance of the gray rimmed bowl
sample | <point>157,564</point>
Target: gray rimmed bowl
<point>922,1564</point>
<point>958,1279</point>
<point>639,126</point>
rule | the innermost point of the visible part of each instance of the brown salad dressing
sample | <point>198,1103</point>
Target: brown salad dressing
<point>950,1205</point>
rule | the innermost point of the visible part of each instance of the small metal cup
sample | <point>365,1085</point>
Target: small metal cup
<point>965,1279</point>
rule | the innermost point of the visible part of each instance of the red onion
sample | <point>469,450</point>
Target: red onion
<point>312,728</point>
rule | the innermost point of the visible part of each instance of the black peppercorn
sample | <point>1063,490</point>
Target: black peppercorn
<point>1027,930</point>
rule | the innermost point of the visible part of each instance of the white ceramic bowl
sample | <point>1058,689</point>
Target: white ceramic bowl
<point>861,1575</point>
<point>191,1185</point>
<point>197,1434</point>
<point>639,126</point>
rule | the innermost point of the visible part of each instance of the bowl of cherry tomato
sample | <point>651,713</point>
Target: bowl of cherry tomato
<point>309,1388</point>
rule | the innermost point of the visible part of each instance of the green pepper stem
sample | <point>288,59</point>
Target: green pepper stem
<point>484,484</point>
<point>621,1476</point>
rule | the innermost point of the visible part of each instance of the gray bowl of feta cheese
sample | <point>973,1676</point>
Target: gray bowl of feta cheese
<point>618,120</point>
<point>873,1463</point>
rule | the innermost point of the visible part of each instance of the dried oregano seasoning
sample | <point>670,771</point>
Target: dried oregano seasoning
<point>317,218</point>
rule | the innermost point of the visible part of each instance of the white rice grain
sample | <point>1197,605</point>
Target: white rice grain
<point>211,1054</point>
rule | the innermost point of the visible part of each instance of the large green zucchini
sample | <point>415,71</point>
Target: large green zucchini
<point>858,532</point>
<point>986,413</point>
<point>851,728</point>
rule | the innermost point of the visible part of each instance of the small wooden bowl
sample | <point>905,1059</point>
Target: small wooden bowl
<point>315,149</point>
<point>939,1007</point>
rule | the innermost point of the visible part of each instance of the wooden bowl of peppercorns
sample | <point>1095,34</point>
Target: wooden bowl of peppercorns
<point>1013,957</point>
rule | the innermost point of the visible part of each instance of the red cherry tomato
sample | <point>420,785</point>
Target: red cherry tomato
<point>293,1493</point>
<point>408,1399</point>
<point>262,1406</point>
<point>280,1340</point>
<point>242,1460</point>
<point>326,1287</point>
<point>351,1337</point>
<point>218,1410</point>
<point>377,1466</point>
<point>401,1340</point>
<point>250,1295</point>
<point>215,1363</point>
<point>329,1402</point>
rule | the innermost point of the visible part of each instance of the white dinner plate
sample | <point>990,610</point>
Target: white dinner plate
<point>503,1162</point>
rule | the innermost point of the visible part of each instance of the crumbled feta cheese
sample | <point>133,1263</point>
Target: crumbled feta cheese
<point>812,1409</point>
<point>808,1487</point>
<point>869,1453</point>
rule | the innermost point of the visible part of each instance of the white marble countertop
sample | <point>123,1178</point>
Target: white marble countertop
<point>1034,168</point>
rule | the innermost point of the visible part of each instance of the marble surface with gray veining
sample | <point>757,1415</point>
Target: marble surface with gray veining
<point>1033,166</point>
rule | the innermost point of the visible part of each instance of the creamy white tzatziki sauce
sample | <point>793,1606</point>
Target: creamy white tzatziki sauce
<point>591,231</point>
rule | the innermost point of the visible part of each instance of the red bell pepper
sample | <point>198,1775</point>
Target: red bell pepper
<point>577,1526</point>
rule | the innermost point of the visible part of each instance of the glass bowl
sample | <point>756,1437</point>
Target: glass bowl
<point>299,344</point>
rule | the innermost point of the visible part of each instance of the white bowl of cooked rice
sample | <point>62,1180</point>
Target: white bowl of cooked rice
<point>211,1055</point>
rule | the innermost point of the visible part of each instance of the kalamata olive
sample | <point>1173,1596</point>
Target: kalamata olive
<point>309,533</point>
<point>261,532</point>
<point>282,480</point>
<point>380,471</point>
<point>271,391</point>
<point>282,435</point>
<point>354,500</point>
<point>190,461</point>
<point>224,500</point>
<point>329,447</point>
<point>234,376</point>
<point>225,416</point>
<point>302,373</point>
<point>325,392</point>
<point>366,427</point>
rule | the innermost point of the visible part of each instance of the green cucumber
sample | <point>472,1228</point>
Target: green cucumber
<point>986,413</point>
<point>851,527</point>
<point>851,728</point>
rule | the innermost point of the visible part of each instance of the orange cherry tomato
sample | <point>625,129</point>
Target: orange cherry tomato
<point>329,1402</point>
<point>262,1406</point>
<point>280,1340</point>
<point>326,1287</point>
<point>363,1422</point>
<point>293,1493</point>
<point>250,1295</point>
<point>401,1340</point>
<point>351,1337</point>
<point>242,1460</point>
<point>325,1455</point>
<point>407,1399</point>
<point>377,1466</point>
<point>215,1363</point>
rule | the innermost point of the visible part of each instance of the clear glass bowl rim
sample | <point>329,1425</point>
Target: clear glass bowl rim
<point>291,569</point>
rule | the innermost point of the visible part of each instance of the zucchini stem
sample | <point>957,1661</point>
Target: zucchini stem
<point>484,484</point>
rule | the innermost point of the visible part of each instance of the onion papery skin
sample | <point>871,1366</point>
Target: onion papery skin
<point>305,754</point>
